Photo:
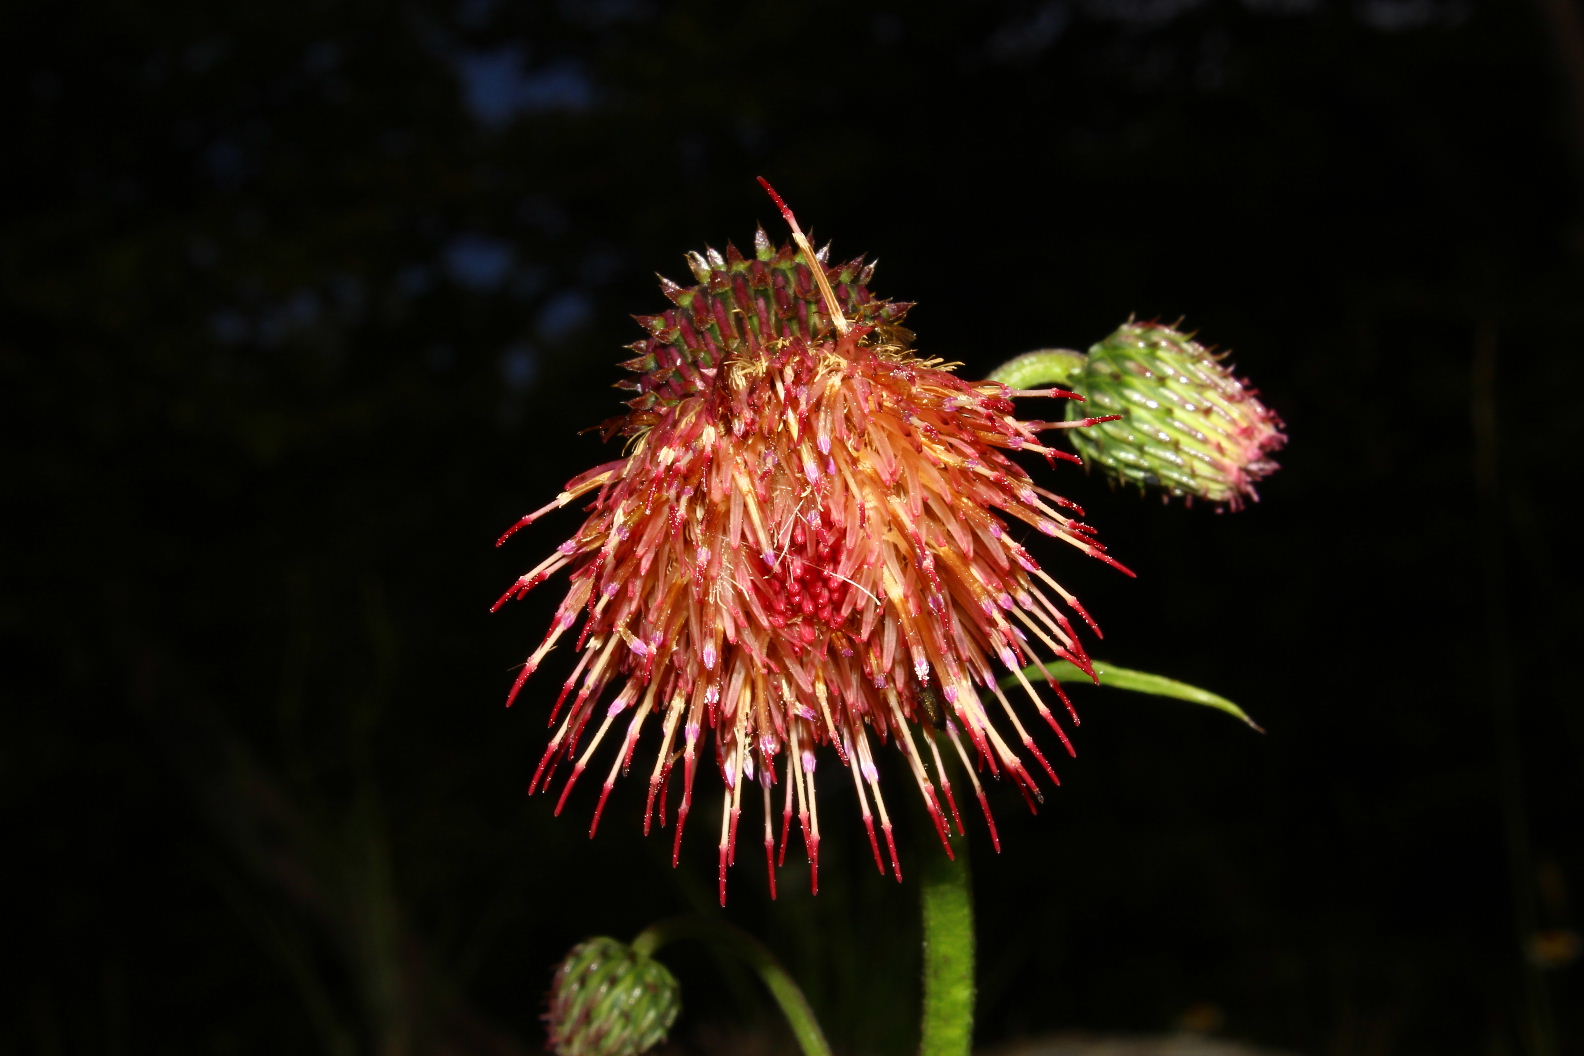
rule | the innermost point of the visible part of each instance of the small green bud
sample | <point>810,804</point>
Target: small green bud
<point>1188,426</point>
<point>610,1000</point>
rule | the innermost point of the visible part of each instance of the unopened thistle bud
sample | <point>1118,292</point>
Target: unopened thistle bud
<point>1188,426</point>
<point>609,999</point>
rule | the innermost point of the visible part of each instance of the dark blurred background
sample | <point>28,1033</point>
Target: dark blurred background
<point>302,304</point>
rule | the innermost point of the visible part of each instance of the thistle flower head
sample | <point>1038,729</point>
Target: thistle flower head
<point>810,549</point>
<point>1185,423</point>
<point>609,999</point>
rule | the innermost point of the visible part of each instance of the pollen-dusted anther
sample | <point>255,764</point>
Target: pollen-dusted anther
<point>808,549</point>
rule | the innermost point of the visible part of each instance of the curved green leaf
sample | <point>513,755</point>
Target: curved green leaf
<point>1115,677</point>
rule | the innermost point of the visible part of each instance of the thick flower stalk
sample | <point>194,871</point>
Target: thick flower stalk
<point>810,546</point>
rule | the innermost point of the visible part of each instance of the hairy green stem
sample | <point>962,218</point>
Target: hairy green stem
<point>1046,366</point>
<point>948,953</point>
<point>756,955</point>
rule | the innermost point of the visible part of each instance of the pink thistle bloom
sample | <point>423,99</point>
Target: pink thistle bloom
<point>809,545</point>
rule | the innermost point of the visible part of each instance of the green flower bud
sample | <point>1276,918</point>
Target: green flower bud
<point>610,1000</point>
<point>1188,426</point>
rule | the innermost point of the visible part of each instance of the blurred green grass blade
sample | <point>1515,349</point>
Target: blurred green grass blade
<point>1114,677</point>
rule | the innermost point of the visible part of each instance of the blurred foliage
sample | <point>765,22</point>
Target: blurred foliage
<point>301,304</point>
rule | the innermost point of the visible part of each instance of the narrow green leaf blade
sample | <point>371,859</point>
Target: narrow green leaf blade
<point>1114,677</point>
